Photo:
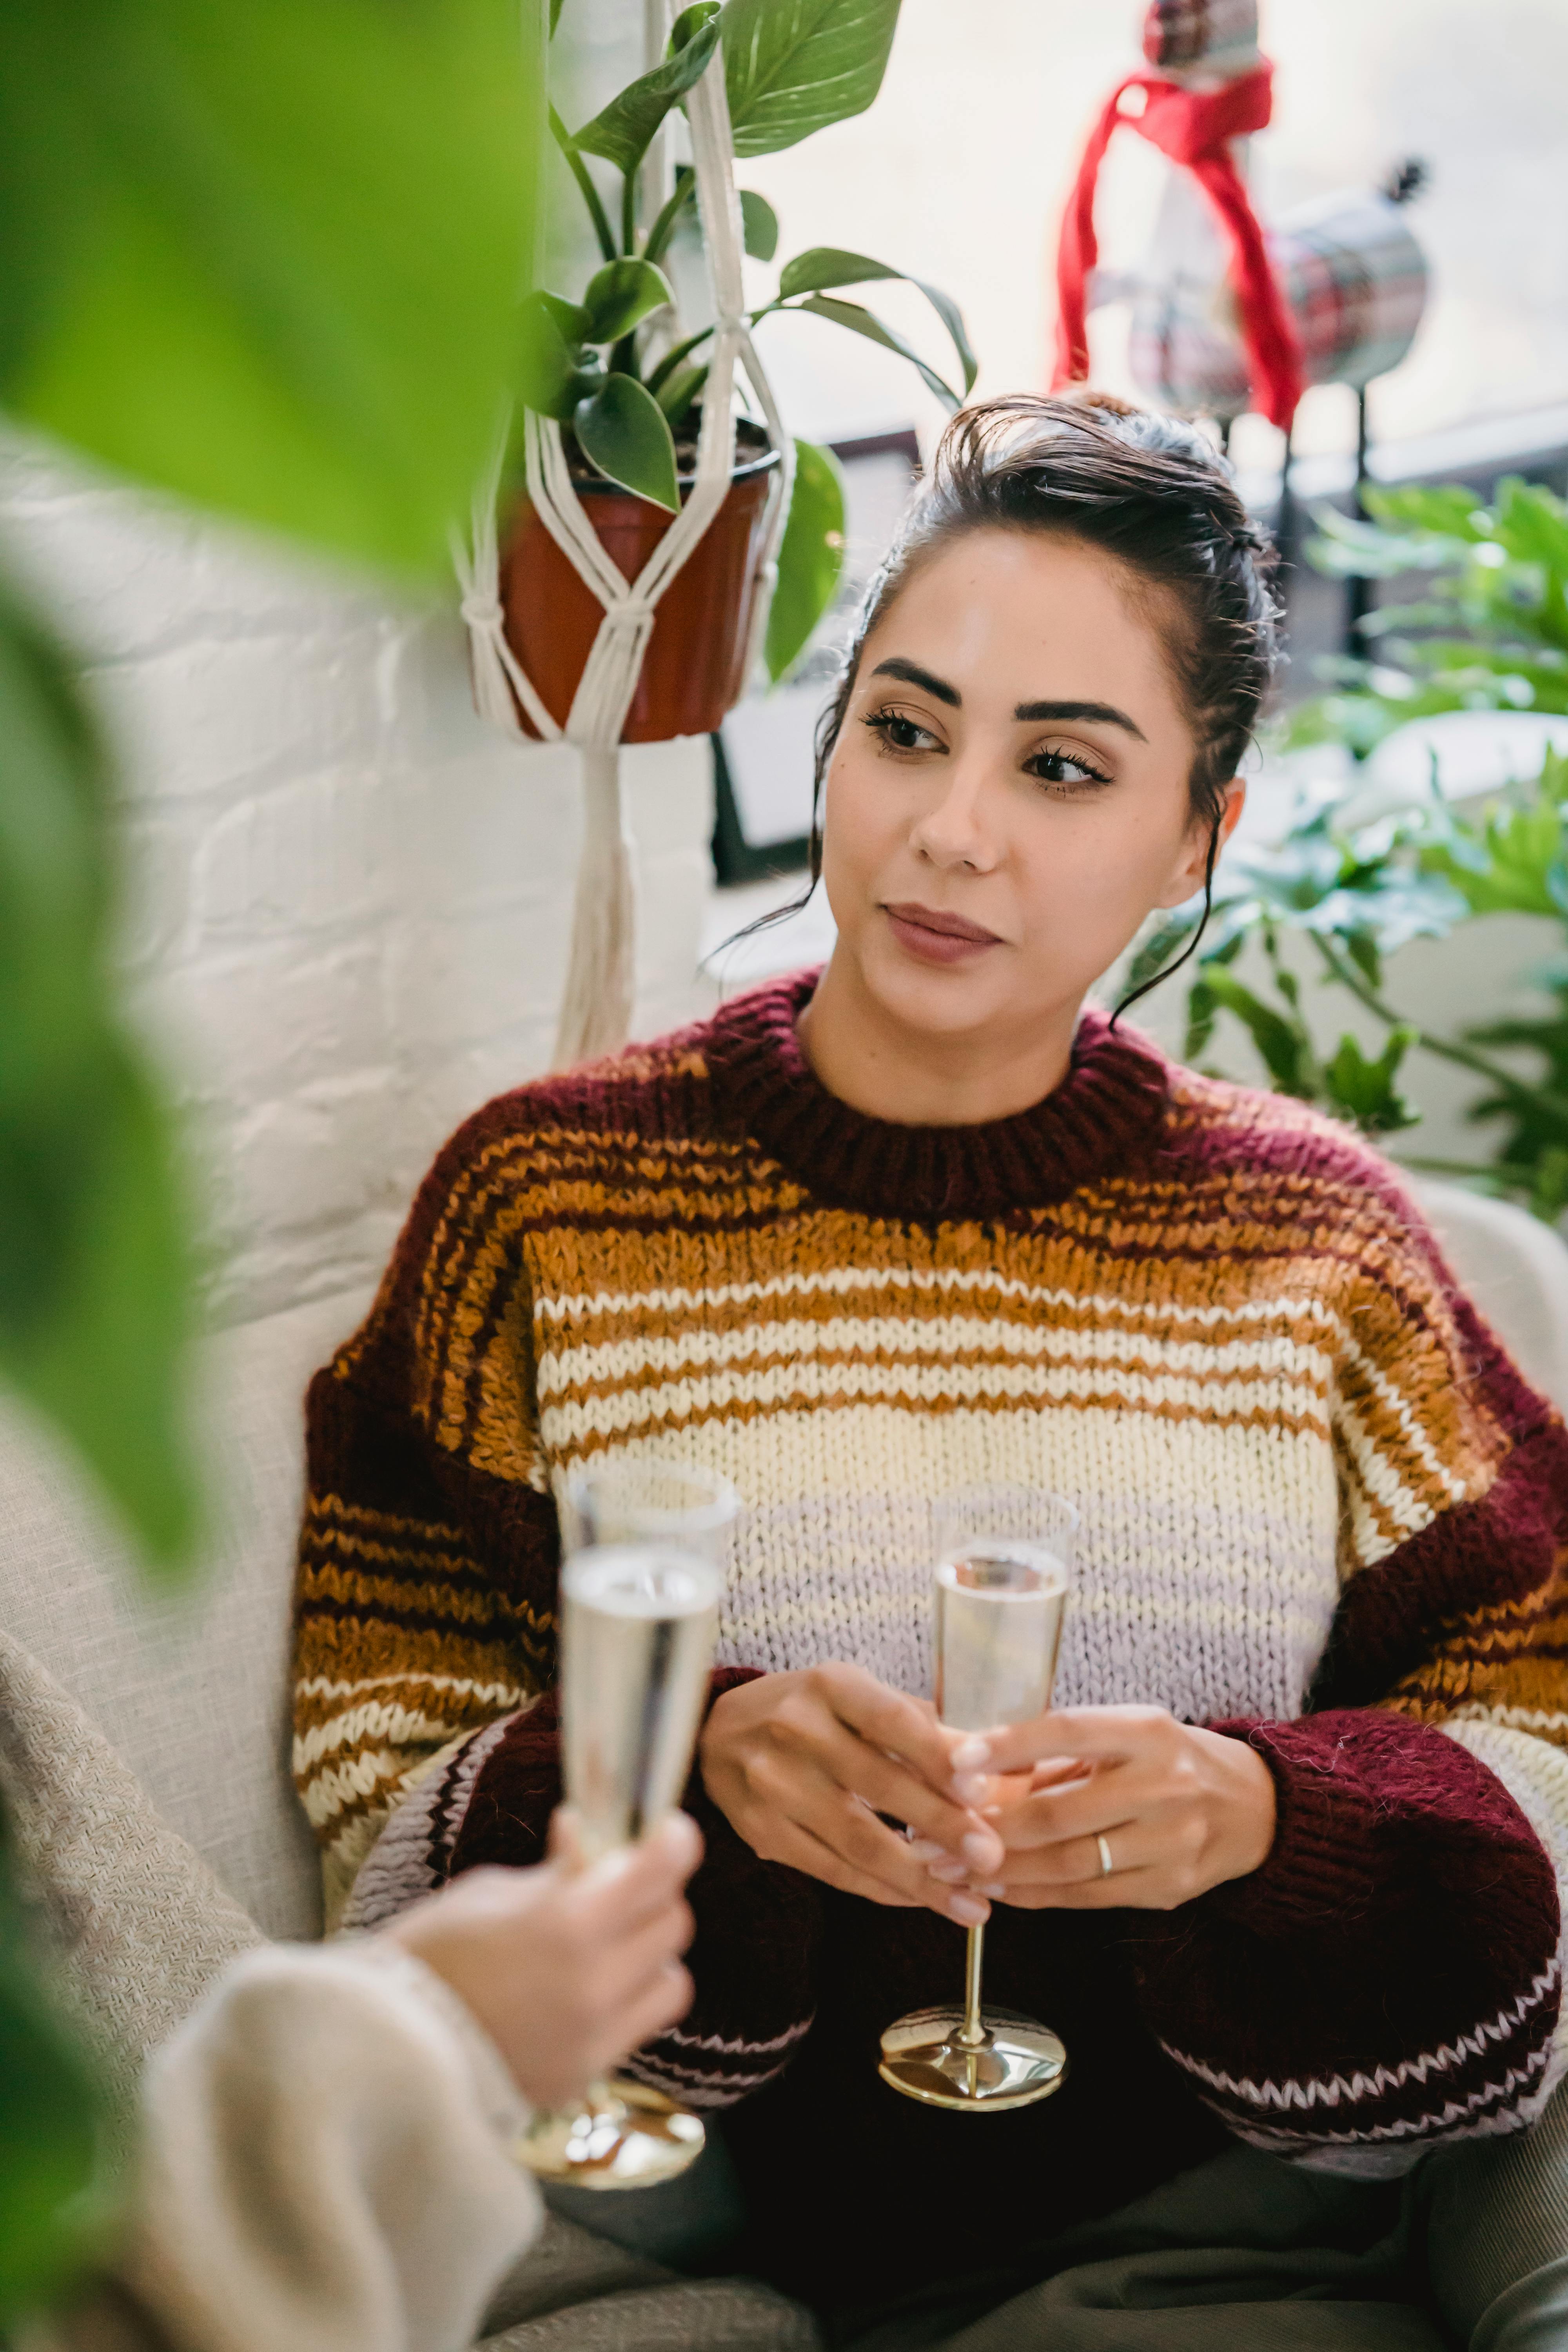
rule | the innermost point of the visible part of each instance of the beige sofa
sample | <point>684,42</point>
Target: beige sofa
<point>192,1696</point>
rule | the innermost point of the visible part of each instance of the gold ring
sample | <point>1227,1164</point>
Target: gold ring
<point>1105,1864</point>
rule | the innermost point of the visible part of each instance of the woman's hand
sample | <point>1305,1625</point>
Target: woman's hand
<point>801,1764</point>
<point>1180,1809</point>
<point>565,1968</point>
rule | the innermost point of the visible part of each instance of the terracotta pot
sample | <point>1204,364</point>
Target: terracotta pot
<point>693,670</point>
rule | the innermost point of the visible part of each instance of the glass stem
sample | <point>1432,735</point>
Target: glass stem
<point>971,2033</point>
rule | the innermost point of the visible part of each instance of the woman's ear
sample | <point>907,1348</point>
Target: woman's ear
<point>1187,875</point>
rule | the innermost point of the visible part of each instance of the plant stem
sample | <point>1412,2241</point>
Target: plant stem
<point>663,229</point>
<point>629,213</point>
<point>579,170</point>
<point>1466,1055</point>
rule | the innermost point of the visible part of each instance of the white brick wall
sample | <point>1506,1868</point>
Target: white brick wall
<point>348,899</point>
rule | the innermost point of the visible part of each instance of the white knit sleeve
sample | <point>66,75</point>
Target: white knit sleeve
<point>325,2161</point>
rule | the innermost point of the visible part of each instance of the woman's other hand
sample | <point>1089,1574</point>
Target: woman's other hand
<point>566,1968</point>
<point>1180,1809</point>
<point>801,1764</point>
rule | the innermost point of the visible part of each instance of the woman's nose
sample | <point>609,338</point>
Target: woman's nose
<point>954,832</point>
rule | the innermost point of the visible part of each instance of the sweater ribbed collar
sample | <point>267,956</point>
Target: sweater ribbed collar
<point>1105,1115</point>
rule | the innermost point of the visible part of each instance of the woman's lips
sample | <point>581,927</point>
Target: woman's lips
<point>938,937</point>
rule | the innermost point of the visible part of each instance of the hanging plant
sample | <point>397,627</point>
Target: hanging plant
<point>626,388</point>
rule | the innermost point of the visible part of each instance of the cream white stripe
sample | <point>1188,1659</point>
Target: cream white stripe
<point>570,1307</point>
<point>1414,1435</point>
<point>1522,2087</point>
<point>329,1793</point>
<point>1517,1718</point>
<point>793,1385</point>
<point>1332,2090</point>
<point>503,1694</point>
<point>401,1725</point>
<point>716,2042</point>
<point>1379,1475</point>
<point>628,1355</point>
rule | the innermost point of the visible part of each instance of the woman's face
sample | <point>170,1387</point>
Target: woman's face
<point>1008,797</point>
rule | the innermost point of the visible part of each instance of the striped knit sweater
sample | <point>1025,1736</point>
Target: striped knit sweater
<point>1322,1511</point>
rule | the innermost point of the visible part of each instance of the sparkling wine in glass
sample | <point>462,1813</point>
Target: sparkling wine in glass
<point>639,1618</point>
<point>1003,1562</point>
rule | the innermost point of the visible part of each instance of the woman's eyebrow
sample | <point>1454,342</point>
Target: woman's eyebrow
<point>1105,712</point>
<point>913,675</point>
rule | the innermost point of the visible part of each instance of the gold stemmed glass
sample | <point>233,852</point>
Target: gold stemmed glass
<point>639,1617</point>
<point>1003,1561</point>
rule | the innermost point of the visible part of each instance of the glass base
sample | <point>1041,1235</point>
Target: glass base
<point>623,2136</point>
<point>1018,2062</point>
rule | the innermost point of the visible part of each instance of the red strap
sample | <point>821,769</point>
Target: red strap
<point>1192,128</point>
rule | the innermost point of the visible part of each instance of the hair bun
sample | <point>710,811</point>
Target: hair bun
<point>1084,396</point>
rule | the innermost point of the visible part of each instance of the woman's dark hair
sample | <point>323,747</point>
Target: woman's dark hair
<point>1152,491</point>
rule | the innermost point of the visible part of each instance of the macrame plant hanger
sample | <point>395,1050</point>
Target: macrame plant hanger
<point>597,1007</point>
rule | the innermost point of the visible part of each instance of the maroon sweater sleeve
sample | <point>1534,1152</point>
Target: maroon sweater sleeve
<point>754,1957</point>
<point>1390,1976</point>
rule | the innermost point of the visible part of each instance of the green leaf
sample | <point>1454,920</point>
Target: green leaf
<point>622,132</point>
<point>54,2204</point>
<point>690,22</point>
<point>825,265</point>
<point>547,365</point>
<point>863,323</point>
<point>269,257</point>
<point>1448,510</point>
<point>811,556</point>
<point>1364,1090</point>
<point>93,1279</point>
<point>792,67</point>
<point>619,295</point>
<point>1283,1044</point>
<point>1203,1011</point>
<point>760,224</point>
<point>1161,947</point>
<point>569,319</point>
<point>554,17</point>
<point>1364,953</point>
<point>624,432</point>
<point>1512,865</point>
<point>678,392</point>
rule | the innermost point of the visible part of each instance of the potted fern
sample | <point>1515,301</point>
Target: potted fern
<point>611,365</point>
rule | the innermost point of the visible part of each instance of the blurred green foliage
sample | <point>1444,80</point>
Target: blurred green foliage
<point>1487,629</point>
<point>269,255</point>
<point>269,259</point>
<point>1353,896</point>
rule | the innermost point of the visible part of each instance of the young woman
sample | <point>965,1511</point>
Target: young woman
<point>1282,1867</point>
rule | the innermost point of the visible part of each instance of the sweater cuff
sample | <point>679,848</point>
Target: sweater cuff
<point>1323,1863</point>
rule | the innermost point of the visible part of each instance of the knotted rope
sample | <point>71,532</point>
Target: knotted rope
<point>597,1007</point>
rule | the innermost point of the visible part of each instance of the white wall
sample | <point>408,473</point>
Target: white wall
<point>349,898</point>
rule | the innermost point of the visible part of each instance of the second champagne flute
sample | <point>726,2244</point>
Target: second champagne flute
<point>1003,1558</point>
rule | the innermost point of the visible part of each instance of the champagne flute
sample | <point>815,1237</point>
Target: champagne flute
<point>1004,1557</point>
<point>639,1618</point>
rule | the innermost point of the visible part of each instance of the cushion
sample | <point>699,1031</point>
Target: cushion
<point>192,1691</point>
<point>141,1924</point>
<point>1516,1271</point>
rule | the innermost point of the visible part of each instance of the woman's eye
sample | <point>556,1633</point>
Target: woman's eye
<point>898,733</point>
<point>1063,768</point>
